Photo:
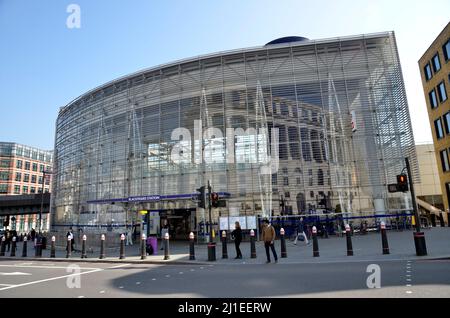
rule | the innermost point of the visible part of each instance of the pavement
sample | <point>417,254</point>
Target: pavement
<point>365,247</point>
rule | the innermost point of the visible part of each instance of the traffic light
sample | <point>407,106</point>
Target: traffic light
<point>6,221</point>
<point>201,197</point>
<point>215,199</point>
<point>402,182</point>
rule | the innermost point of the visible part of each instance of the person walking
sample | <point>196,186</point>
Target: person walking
<point>72,240</point>
<point>237,236</point>
<point>8,239</point>
<point>301,232</point>
<point>129,241</point>
<point>268,236</point>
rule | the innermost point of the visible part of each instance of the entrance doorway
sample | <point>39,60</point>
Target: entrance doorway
<point>179,221</point>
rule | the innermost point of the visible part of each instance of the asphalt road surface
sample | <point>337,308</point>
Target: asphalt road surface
<point>413,278</point>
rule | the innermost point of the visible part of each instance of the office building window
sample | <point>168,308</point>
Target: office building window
<point>427,71</point>
<point>433,99</point>
<point>19,164</point>
<point>46,190</point>
<point>3,188</point>
<point>16,189</point>
<point>25,189</point>
<point>447,123</point>
<point>4,175</point>
<point>274,178</point>
<point>18,176</point>
<point>40,180</point>
<point>286,181</point>
<point>41,168</point>
<point>5,163</point>
<point>32,190</point>
<point>33,179</point>
<point>35,166</point>
<point>444,160</point>
<point>441,92</point>
<point>438,127</point>
<point>446,50</point>
<point>26,178</point>
<point>436,63</point>
<point>27,165</point>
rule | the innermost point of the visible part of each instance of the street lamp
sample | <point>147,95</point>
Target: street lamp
<point>44,172</point>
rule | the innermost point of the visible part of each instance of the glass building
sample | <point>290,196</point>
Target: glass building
<point>319,126</point>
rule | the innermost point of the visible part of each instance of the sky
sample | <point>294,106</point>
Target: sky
<point>44,64</point>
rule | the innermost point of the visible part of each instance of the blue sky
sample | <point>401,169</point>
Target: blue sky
<point>44,64</point>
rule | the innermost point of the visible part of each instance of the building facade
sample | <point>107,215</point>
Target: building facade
<point>296,126</point>
<point>435,71</point>
<point>22,173</point>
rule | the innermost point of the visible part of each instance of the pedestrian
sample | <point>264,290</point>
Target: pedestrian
<point>8,239</point>
<point>33,234</point>
<point>301,232</point>
<point>72,239</point>
<point>164,230</point>
<point>237,236</point>
<point>268,236</point>
<point>128,236</point>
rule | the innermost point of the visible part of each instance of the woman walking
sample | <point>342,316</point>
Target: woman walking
<point>237,234</point>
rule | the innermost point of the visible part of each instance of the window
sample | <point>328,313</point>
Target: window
<point>441,92</point>
<point>46,190</point>
<point>286,181</point>
<point>18,176</point>
<point>47,181</point>
<point>446,49</point>
<point>433,99</point>
<point>3,188</point>
<point>40,180</point>
<point>25,189</point>
<point>41,168</point>
<point>26,178</point>
<point>447,123</point>
<point>274,178</point>
<point>5,163</point>
<point>285,170</point>
<point>33,179</point>
<point>438,127</point>
<point>444,160</point>
<point>299,180</point>
<point>311,178</point>
<point>19,164</point>
<point>16,189</point>
<point>4,175</point>
<point>320,177</point>
<point>32,190</point>
<point>35,166</point>
<point>27,165</point>
<point>436,63</point>
<point>427,71</point>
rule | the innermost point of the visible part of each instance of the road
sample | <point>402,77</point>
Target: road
<point>399,278</point>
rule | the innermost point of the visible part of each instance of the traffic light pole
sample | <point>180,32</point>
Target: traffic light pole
<point>209,210</point>
<point>419,237</point>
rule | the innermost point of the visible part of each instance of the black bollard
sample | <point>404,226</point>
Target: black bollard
<point>37,246</point>
<point>283,244</point>
<point>384,241</point>
<point>349,240</point>
<point>102,247</point>
<point>13,246</point>
<point>122,246</point>
<point>315,242</point>
<point>3,246</point>
<point>24,248</point>
<point>69,247</point>
<point>252,244</point>
<point>325,232</point>
<point>83,247</point>
<point>191,247</point>
<point>143,251</point>
<point>52,248</point>
<point>224,245</point>
<point>166,246</point>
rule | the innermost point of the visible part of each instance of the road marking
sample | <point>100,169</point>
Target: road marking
<point>14,274</point>
<point>408,285</point>
<point>409,292</point>
<point>192,270</point>
<point>408,271</point>
<point>118,266</point>
<point>46,267</point>
<point>408,279</point>
<point>153,278</point>
<point>121,287</point>
<point>201,267</point>
<point>6,285</point>
<point>138,283</point>
<point>102,292</point>
<point>50,279</point>
<point>181,273</point>
<point>167,275</point>
<point>80,296</point>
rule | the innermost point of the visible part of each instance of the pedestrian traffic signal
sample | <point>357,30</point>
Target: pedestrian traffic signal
<point>201,197</point>
<point>215,199</point>
<point>402,182</point>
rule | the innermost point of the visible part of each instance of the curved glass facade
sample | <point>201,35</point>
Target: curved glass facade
<point>339,108</point>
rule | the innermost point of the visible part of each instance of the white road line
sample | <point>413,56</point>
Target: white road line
<point>167,275</point>
<point>121,287</point>
<point>192,270</point>
<point>181,273</point>
<point>153,278</point>
<point>408,279</point>
<point>6,285</point>
<point>46,267</point>
<point>118,266</point>
<point>138,283</point>
<point>50,279</point>
<point>409,292</point>
<point>80,296</point>
<point>408,285</point>
<point>102,292</point>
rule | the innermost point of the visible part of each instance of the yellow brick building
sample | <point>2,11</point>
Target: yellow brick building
<point>435,72</point>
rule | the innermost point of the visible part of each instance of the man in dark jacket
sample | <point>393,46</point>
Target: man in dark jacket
<point>237,235</point>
